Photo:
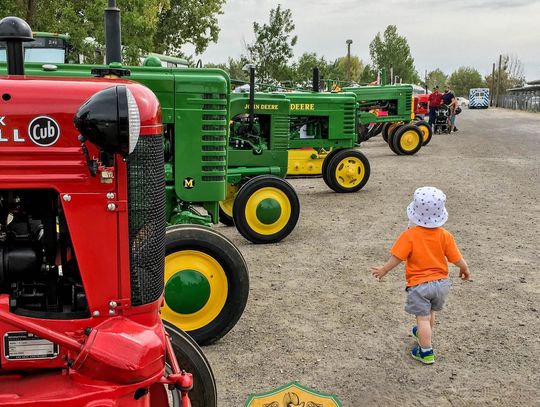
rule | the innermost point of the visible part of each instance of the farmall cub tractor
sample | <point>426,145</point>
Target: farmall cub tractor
<point>206,277</point>
<point>82,241</point>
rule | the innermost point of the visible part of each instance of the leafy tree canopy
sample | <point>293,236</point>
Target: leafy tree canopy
<point>147,25</point>
<point>436,78</point>
<point>392,50</point>
<point>465,78</point>
<point>273,46</point>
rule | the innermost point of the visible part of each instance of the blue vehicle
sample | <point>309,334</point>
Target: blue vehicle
<point>479,98</point>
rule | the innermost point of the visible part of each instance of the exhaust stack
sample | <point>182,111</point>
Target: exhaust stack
<point>113,38</point>
<point>316,79</point>
<point>251,97</point>
<point>14,31</point>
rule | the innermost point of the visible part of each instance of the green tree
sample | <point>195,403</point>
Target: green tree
<point>234,67</point>
<point>465,78</point>
<point>392,50</point>
<point>512,75</point>
<point>436,78</point>
<point>273,46</point>
<point>339,69</point>
<point>187,21</point>
<point>303,68</point>
<point>147,25</point>
<point>83,19</point>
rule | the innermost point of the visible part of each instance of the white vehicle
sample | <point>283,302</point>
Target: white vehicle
<point>479,98</point>
<point>462,102</point>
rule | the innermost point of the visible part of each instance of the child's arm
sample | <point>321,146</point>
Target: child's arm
<point>464,272</point>
<point>380,271</point>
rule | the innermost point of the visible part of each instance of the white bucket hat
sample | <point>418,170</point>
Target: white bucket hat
<point>427,208</point>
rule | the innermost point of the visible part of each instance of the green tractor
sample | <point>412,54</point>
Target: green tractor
<point>206,287</point>
<point>390,109</point>
<point>259,201</point>
<point>322,138</point>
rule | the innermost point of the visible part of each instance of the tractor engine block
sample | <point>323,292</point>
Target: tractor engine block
<point>37,265</point>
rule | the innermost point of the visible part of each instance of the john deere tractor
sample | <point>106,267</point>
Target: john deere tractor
<point>206,279</point>
<point>390,107</point>
<point>322,138</point>
<point>259,201</point>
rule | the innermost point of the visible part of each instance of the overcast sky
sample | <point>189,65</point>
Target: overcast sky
<point>442,34</point>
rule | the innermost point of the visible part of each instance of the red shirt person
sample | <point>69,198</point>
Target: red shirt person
<point>434,101</point>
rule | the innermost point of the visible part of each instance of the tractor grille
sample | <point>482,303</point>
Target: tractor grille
<point>349,118</point>
<point>146,189</point>
<point>214,137</point>
<point>280,139</point>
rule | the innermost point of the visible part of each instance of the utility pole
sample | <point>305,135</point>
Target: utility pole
<point>498,82</point>
<point>348,42</point>
<point>492,86</point>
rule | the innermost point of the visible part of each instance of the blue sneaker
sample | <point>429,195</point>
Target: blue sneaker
<point>414,334</point>
<point>427,358</point>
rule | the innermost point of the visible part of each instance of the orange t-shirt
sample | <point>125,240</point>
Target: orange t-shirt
<point>426,251</point>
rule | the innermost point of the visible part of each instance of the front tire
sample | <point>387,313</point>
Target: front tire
<point>191,359</point>
<point>407,140</point>
<point>206,282</point>
<point>427,131</point>
<point>348,171</point>
<point>266,209</point>
<point>226,206</point>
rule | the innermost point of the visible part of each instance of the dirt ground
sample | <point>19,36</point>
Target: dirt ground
<point>315,314</point>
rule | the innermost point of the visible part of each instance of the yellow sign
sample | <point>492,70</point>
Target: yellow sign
<point>293,395</point>
<point>263,107</point>
<point>302,106</point>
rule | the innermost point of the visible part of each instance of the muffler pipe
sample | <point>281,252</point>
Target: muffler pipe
<point>113,38</point>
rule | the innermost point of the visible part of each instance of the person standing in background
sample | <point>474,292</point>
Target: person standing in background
<point>434,101</point>
<point>449,99</point>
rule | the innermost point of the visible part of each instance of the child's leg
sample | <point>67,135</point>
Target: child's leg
<point>432,320</point>
<point>424,330</point>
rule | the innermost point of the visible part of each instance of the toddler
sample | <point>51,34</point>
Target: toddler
<point>426,247</point>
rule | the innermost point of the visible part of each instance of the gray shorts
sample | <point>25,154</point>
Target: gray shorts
<point>426,297</point>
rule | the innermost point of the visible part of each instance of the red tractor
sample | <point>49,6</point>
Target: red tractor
<point>421,106</point>
<point>82,236</point>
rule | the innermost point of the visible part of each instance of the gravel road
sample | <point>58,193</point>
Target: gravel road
<point>315,315</point>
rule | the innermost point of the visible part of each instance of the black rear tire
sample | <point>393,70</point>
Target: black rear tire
<point>183,242</point>
<point>325,165</point>
<point>225,218</point>
<point>191,359</point>
<point>386,131</point>
<point>259,192</point>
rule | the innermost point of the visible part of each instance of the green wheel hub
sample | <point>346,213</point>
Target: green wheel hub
<point>187,292</point>
<point>268,211</point>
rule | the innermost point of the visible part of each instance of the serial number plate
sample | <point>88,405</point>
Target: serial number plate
<point>26,346</point>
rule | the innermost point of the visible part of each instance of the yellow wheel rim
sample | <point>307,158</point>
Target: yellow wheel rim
<point>209,268</point>
<point>425,132</point>
<point>227,205</point>
<point>278,197</point>
<point>409,140</point>
<point>350,172</point>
